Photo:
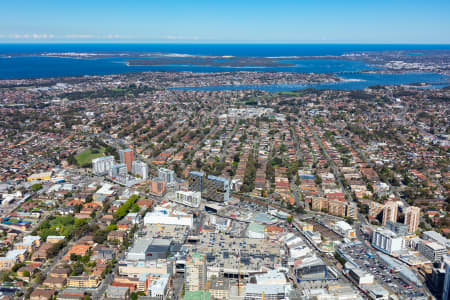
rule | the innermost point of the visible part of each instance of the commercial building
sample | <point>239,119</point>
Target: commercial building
<point>345,229</point>
<point>195,274</point>
<point>387,241</point>
<point>102,165</point>
<point>168,176</point>
<point>360,276</point>
<point>266,291</point>
<point>398,228</point>
<point>148,249</point>
<point>189,198</point>
<point>432,250</point>
<point>165,218</point>
<point>140,169</point>
<point>217,189</point>
<point>219,288</point>
<point>117,292</point>
<point>436,237</point>
<point>412,218</point>
<point>195,180</point>
<point>446,289</point>
<point>40,176</point>
<point>127,157</point>
<point>158,288</point>
<point>256,231</point>
<point>390,212</point>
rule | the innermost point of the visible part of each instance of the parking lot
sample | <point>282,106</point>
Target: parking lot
<point>369,261</point>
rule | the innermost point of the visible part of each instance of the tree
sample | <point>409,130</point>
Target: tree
<point>36,187</point>
<point>289,219</point>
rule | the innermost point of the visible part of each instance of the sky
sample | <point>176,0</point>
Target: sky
<point>230,21</point>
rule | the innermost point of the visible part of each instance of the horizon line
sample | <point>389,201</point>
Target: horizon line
<point>221,43</point>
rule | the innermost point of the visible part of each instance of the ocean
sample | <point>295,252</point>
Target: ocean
<point>19,67</point>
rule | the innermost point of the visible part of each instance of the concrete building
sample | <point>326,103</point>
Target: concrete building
<point>195,274</point>
<point>168,176</point>
<point>446,289</point>
<point>432,250</point>
<point>375,209</point>
<point>157,187</point>
<point>158,288</point>
<point>337,208</point>
<point>118,171</point>
<point>219,288</point>
<point>390,212</point>
<point>102,165</point>
<point>397,228</point>
<point>412,218</point>
<point>360,276</point>
<point>351,211</point>
<point>436,237</point>
<point>195,180</point>
<point>217,189</point>
<point>387,241</point>
<point>127,158</point>
<point>266,291</point>
<point>148,249</point>
<point>117,292</point>
<point>164,218</point>
<point>140,168</point>
<point>256,231</point>
<point>189,198</point>
<point>345,229</point>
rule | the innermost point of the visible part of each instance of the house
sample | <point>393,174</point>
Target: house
<point>42,294</point>
<point>78,249</point>
<point>117,235</point>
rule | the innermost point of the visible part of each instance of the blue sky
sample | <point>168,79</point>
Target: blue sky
<point>230,21</point>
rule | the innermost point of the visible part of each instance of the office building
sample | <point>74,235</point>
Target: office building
<point>195,180</point>
<point>195,276</point>
<point>189,198</point>
<point>127,157</point>
<point>158,288</point>
<point>140,168</point>
<point>397,228</point>
<point>446,289</point>
<point>219,288</point>
<point>168,176</point>
<point>412,218</point>
<point>387,241</point>
<point>436,237</point>
<point>390,212</point>
<point>102,165</point>
<point>267,291</point>
<point>217,189</point>
<point>432,250</point>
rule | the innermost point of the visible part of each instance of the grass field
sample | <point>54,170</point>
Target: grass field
<point>88,155</point>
